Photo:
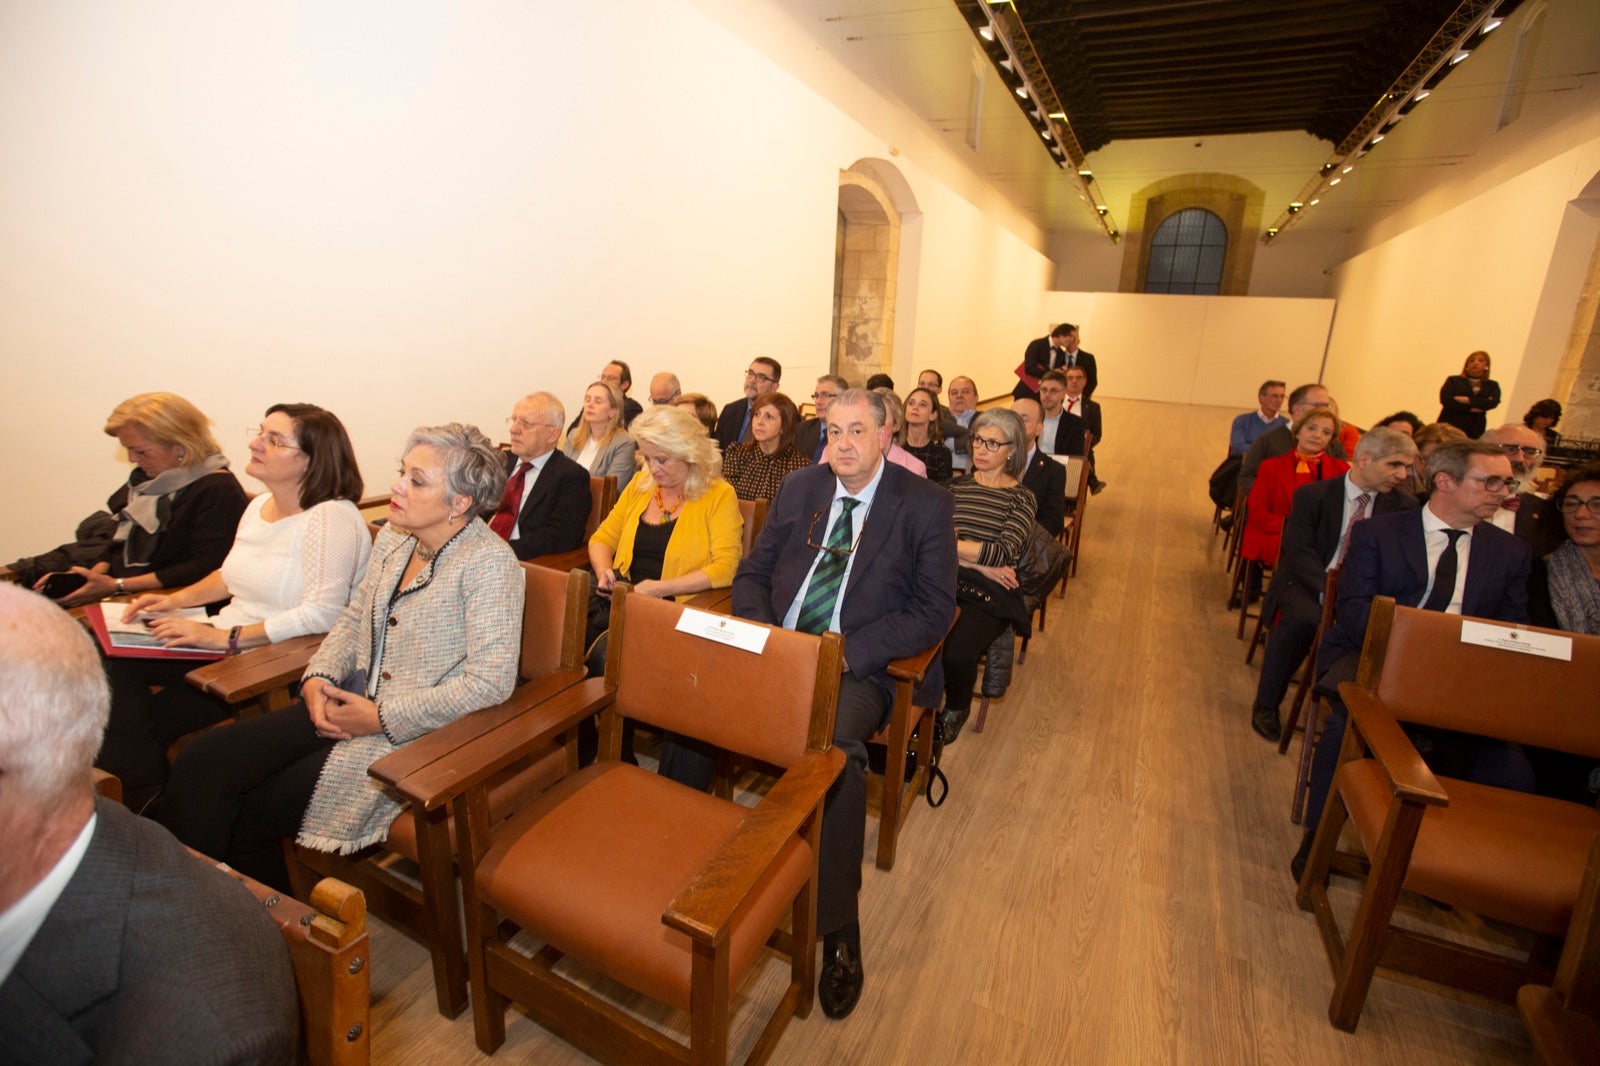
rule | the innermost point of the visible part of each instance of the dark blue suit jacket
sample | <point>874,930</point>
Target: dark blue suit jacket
<point>1388,557</point>
<point>901,597</point>
<point>1311,536</point>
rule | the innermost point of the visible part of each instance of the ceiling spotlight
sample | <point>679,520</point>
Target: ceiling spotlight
<point>1375,139</point>
<point>1272,231</point>
<point>1062,115</point>
<point>1294,208</point>
<point>987,33</point>
<point>1347,170</point>
<point>1327,167</point>
<point>1334,182</point>
<point>1314,203</point>
<point>1086,174</point>
<point>1491,25</point>
<point>1007,64</point>
<point>1422,94</point>
<point>1022,91</point>
<point>1102,208</point>
<point>1045,134</point>
<point>1459,56</point>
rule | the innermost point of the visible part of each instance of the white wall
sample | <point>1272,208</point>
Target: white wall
<point>411,212</point>
<point>1193,349</point>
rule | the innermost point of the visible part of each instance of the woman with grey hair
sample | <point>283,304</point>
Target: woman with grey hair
<point>994,519</point>
<point>432,633</point>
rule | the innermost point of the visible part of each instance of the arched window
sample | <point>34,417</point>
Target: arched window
<point>1186,254</point>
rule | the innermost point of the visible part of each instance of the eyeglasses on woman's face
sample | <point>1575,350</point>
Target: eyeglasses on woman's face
<point>271,439</point>
<point>990,444</point>
<point>1574,504</point>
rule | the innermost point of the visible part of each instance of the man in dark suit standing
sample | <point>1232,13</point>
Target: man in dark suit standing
<point>1315,535</point>
<point>546,504</point>
<point>812,436</point>
<point>1042,475</point>
<point>733,425</point>
<point>116,944</point>
<point>1059,351</point>
<point>867,549</point>
<point>1445,556</point>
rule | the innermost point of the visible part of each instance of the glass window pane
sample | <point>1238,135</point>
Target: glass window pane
<point>1184,263</point>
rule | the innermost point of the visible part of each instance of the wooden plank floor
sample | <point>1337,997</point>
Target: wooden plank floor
<point>1108,880</point>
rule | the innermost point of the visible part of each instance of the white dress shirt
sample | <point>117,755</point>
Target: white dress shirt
<point>858,518</point>
<point>1433,536</point>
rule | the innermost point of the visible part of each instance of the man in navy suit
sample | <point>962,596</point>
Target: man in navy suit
<point>1444,556</point>
<point>547,500</point>
<point>1315,535</point>
<point>733,425</point>
<point>1059,351</point>
<point>893,533</point>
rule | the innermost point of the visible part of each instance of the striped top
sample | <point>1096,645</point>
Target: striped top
<point>1001,519</point>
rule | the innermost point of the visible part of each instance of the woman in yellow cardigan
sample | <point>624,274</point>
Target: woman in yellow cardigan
<point>676,529</point>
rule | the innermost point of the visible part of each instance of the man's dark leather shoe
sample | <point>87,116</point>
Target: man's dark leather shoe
<point>950,722</point>
<point>839,987</point>
<point>1264,720</point>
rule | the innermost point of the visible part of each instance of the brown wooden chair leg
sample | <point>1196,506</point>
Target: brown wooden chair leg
<point>1370,929</point>
<point>436,864</point>
<point>1308,748</point>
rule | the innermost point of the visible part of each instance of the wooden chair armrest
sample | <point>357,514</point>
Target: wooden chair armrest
<point>476,762</point>
<point>705,907</point>
<point>576,559</point>
<point>1408,775</point>
<point>913,667</point>
<point>244,677</point>
<point>430,747</point>
<point>717,600</point>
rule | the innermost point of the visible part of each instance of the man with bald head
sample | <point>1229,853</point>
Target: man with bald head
<point>1522,513</point>
<point>664,389</point>
<point>116,944</point>
<point>546,504</point>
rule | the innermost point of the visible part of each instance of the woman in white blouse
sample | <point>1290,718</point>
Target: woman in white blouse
<point>301,549</point>
<point>598,443</point>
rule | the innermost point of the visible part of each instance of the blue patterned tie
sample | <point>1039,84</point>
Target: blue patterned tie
<point>816,609</point>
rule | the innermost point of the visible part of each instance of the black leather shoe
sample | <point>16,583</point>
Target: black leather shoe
<point>839,987</point>
<point>951,720</point>
<point>1264,720</point>
<point>1297,865</point>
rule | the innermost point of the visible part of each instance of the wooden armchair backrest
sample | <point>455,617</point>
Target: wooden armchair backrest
<point>602,497</point>
<point>754,513</point>
<point>1419,667</point>
<point>770,707</point>
<point>554,612</point>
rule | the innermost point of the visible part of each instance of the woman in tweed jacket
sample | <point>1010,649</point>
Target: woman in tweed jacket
<point>432,633</point>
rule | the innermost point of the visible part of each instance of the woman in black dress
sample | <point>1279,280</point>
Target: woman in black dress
<point>920,434</point>
<point>1466,398</point>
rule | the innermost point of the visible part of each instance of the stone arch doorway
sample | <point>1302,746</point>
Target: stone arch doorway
<point>877,228</point>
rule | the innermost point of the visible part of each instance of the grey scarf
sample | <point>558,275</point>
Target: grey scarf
<point>149,502</point>
<point>1574,593</point>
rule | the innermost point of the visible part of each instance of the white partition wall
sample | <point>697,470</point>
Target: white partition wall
<point>1193,349</point>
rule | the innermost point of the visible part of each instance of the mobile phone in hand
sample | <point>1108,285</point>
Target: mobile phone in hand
<point>59,585</point>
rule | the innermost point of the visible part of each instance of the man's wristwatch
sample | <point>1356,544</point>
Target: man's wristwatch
<point>121,588</point>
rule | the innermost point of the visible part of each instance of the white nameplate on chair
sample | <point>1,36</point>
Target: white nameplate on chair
<point>1549,645</point>
<point>723,630</point>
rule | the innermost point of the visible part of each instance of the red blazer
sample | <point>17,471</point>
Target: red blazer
<point>1270,499</point>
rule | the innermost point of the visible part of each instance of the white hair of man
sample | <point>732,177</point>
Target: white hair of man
<point>555,413</point>
<point>55,699</point>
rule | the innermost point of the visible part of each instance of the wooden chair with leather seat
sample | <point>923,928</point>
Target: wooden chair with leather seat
<point>1509,856</point>
<point>551,663</point>
<point>1563,1018</point>
<point>1308,703</point>
<point>668,891</point>
<point>908,742</point>
<point>1077,503</point>
<point>602,497</point>
<point>754,513</point>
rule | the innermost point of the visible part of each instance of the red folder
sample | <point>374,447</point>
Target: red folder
<point>97,622</point>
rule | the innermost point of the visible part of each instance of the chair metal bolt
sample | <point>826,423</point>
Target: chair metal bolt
<point>356,964</point>
<point>305,919</point>
<point>270,901</point>
<point>354,1034</point>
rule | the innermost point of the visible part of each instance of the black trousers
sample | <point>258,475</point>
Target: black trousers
<point>1293,632</point>
<point>236,792</point>
<point>863,710</point>
<point>971,636</point>
<point>144,724</point>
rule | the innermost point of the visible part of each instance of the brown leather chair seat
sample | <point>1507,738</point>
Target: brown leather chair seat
<point>1506,855</point>
<point>602,903</point>
<point>518,788</point>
